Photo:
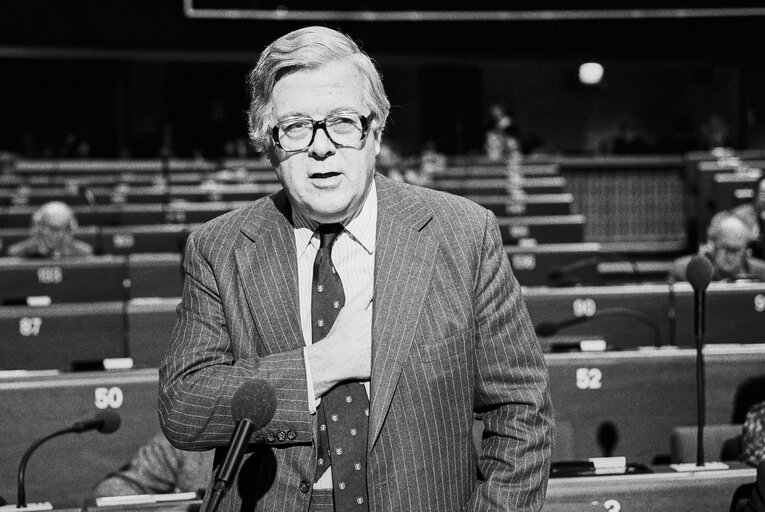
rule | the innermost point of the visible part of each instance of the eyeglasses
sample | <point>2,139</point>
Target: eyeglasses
<point>345,130</point>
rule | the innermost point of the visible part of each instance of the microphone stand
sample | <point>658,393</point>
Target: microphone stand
<point>21,499</point>
<point>698,300</point>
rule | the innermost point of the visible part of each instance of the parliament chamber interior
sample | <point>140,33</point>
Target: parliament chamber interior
<point>134,115</point>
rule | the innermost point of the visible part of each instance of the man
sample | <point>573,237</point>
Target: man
<point>753,435</point>
<point>158,468</point>
<point>446,335</point>
<point>753,214</point>
<point>52,230</point>
<point>727,248</point>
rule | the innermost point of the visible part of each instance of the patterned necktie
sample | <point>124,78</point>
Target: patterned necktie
<point>343,414</point>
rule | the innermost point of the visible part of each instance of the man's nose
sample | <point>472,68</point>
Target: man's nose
<point>322,146</point>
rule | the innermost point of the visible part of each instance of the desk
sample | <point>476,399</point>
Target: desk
<point>587,389</point>
<point>59,335</point>
<point>545,229</point>
<point>65,280</point>
<point>529,205</point>
<point>644,394</point>
<point>64,469</point>
<point>665,490</point>
<point>735,312</point>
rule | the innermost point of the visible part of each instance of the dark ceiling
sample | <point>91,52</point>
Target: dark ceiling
<point>140,27</point>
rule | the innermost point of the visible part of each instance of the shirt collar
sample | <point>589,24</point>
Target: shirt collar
<point>361,227</point>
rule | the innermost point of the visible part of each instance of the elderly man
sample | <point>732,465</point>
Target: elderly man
<point>727,247</point>
<point>384,315</point>
<point>53,226</point>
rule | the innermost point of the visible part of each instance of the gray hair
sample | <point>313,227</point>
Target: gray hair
<point>308,48</point>
<point>717,225</point>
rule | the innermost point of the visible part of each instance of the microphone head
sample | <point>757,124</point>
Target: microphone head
<point>255,400</point>
<point>108,422</point>
<point>699,272</point>
<point>545,329</point>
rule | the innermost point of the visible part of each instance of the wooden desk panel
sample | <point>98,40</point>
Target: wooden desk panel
<point>735,312</point>
<point>644,394</point>
<point>64,469</point>
<point>56,336</point>
<point>66,280</point>
<point>547,229</point>
<point>701,491</point>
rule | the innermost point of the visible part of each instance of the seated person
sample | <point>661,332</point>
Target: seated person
<point>159,468</point>
<point>753,214</point>
<point>53,225</point>
<point>727,248</point>
<point>753,438</point>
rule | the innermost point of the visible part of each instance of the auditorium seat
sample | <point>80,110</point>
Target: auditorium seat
<point>155,275</point>
<point>151,323</point>
<point>682,442</point>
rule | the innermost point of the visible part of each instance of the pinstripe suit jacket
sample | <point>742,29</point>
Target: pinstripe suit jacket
<point>450,337</point>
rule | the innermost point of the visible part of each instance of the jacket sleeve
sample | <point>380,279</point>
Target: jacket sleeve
<point>200,374</point>
<point>511,392</point>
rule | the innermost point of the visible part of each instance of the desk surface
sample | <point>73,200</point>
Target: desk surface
<point>665,490</point>
<point>64,469</point>
<point>643,394</point>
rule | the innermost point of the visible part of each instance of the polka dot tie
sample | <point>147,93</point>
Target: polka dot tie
<point>343,414</point>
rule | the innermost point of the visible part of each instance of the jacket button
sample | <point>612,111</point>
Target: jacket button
<point>291,435</point>
<point>281,436</point>
<point>304,487</point>
<point>270,437</point>
<point>259,438</point>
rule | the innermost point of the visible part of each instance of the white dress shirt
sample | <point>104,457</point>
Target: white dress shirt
<point>353,255</point>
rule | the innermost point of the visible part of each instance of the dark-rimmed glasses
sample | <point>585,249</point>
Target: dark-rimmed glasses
<point>344,129</point>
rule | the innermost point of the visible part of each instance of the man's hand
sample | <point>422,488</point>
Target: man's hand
<point>346,352</point>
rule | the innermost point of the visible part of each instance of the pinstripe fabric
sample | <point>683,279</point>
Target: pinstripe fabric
<point>450,336</point>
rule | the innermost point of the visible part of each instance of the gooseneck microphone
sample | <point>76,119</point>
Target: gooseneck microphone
<point>105,422</point>
<point>252,407</point>
<point>545,329</point>
<point>699,274</point>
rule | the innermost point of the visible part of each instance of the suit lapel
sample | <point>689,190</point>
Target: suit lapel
<point>404,262</point>
<point>267,265</point>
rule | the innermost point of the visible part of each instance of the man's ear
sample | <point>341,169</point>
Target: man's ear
<point>378,140</point>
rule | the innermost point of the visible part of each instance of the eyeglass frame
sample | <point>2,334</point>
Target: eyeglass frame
<point>366,123</point>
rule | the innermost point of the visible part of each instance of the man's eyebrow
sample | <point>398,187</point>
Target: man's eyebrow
<point>303,115</point>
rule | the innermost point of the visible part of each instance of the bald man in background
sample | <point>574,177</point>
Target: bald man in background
<point>52,235</point>
<point>727,247</point>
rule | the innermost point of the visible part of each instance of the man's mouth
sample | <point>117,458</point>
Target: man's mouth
<point>324,175</point>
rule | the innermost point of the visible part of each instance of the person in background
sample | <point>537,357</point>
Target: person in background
<point>384,315</point>
<point>158,468</point>
<point>52,235</point>
<point>753,435</point>
<point>727,248</point>
<point>753,214</point>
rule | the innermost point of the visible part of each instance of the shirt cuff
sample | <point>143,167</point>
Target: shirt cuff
<point>313,403</point>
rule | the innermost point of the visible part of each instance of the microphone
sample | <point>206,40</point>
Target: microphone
<point>581,271</point>
<point>607,437</point>
<point>252,407</point>
<point>549,328</point>
<point>105,422</point>
<point>699,273</point>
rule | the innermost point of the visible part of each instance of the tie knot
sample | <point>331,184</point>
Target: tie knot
<point>328,233</point>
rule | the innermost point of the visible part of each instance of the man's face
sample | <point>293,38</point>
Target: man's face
<point>729,250</point>
<point>324,182</point>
